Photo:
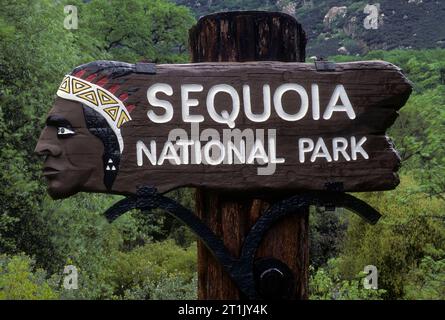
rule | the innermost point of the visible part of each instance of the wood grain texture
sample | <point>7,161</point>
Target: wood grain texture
<point>377,90</point>
<point>247,36</point>
<point>232,215</point>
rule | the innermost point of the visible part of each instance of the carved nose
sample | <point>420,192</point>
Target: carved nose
<point>40,149</point>
<point>47,145</point>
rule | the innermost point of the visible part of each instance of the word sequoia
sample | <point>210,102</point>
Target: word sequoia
<point>339,102</point>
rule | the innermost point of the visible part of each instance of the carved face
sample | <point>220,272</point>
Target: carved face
<point>73,159</point>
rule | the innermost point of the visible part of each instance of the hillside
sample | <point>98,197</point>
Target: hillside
<point>338,26</point>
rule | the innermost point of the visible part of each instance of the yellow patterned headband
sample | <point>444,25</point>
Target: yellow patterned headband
<point>99,99</point>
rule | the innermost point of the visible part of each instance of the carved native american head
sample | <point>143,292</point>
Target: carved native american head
<point>82,141</point>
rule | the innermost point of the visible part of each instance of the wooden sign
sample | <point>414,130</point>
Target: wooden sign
<point>238,126</point>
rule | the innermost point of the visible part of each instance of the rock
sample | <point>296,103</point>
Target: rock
<point>287,7</point>
<point>308,3</point>
<point>343,50</point>
<point>333,14</point>
<point>351,27</point>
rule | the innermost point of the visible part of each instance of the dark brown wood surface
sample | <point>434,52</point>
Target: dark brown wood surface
<point>247,36</point>
<point>376,90</point>
<point>232,215</point>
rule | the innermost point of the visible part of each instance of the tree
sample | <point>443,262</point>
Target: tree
<point>411,223</point>
<point>35,52</point>
<point>327,230</point>
<point>137,30</point>
<point>427,280</point>
<point>326,284</point>
<point>19,280</point>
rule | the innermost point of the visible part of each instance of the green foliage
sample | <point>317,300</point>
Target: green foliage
<point>20,281</point>
<point>139,228</point>
<point>169,287</point>
<point>159,270</point>
<point>326,284</point>
<point>109,267</point>
<point>412,222</point>
<point>34,52</point>
<point>326,233</point>
<point>136,30</point>
<point>421,66</point>
<point>175,230</point>
<point>426,281</point>
<point>204,7</point>
<point>80,236</point>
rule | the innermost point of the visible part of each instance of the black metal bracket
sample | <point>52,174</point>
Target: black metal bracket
<point>250,276</point>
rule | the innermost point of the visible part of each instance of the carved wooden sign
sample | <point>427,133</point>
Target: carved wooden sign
<point>235,126</point>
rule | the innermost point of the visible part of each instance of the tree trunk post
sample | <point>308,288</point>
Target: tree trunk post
<point>240,37</point>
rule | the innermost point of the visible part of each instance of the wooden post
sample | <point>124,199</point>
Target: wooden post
<point>241,37</point>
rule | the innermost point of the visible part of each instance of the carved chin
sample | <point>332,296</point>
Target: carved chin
<point>57,194</point>
<point>58,190</point>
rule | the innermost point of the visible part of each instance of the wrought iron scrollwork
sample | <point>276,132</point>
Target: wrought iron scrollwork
<point>242,269</point>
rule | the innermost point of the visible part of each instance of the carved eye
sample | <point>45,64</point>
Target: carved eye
<point>64,132</point>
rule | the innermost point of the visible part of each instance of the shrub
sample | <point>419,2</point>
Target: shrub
<point>410,224</point>
<point>326,284</point>
<point>20,281</point>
